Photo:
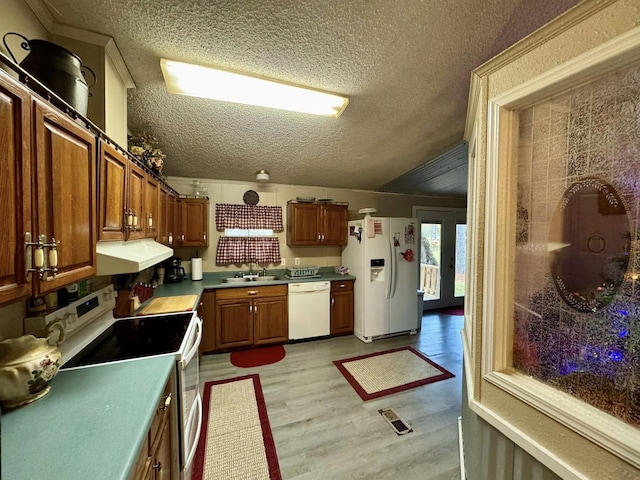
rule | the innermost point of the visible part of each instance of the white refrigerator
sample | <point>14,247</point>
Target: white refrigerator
<point>383,255</point>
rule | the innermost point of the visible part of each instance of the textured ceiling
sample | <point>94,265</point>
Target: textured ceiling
<point>405,67</point>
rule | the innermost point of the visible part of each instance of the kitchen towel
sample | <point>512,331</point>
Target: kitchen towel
<point>196,268</point>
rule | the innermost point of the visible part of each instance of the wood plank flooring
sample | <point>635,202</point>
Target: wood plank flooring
<point>323,430</point>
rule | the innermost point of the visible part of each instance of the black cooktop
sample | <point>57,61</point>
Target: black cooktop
<point>133,338</point>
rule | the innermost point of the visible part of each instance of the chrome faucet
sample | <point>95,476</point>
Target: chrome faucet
<point>251,262</point>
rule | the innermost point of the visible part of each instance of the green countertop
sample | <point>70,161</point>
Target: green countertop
<point>215,281</point>
<point>90,425</point>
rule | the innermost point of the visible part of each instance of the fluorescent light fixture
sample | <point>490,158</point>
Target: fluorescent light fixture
<point>206,82</point>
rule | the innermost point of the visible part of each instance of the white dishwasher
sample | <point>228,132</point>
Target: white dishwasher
<point>309,310</point>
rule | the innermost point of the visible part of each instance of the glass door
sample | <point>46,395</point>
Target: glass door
<point>442,256</point>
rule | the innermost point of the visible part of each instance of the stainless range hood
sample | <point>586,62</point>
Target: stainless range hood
<point>130,256</point>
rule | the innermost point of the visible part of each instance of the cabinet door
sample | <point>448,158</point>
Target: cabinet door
<point>113,193</point>
<point>270,320</point>
<point>207,311</point>
<point>341,307</point>
<point>65,194</point>
<point>334,224</point>
<point>195,222</point>
<point>172,221</point>
<point>151,207</point>
<point>137,182</point>
<point>15,188</point>
<point>303,224</point>
<point>234,324</point>
<point>163,211</point>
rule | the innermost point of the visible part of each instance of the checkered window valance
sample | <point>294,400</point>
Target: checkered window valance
<point>239,250</point>
<point>248,216</point>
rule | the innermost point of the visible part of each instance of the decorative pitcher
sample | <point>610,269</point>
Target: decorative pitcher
<point>27,366</point>
<point>57,68</point>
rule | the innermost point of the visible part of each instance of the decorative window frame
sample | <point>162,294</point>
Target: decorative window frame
<point>610,433</point>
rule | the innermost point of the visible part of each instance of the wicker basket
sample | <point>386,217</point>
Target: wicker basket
<point>302,271</point>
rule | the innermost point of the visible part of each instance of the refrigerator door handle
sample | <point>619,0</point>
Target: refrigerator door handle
<point>394,270</point>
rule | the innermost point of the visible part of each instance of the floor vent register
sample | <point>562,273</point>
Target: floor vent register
<point>395,422</point>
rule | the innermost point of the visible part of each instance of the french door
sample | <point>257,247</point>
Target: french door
<point>442,256</point>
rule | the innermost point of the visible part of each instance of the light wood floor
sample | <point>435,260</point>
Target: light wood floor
<point>323,430</point>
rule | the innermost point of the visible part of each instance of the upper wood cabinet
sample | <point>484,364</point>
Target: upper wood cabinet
<point>137,183</point>
<point>316,224</point>
<point>114,168</point>
<point>64,191</point>
<point>15,190</point>
<point>129,198</point>
<point>151,207</point>
<point>194,222</point>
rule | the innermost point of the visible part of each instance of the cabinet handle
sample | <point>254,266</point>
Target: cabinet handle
<point>167,403</point>
<point>251,308</point>
<point>333,301</point>
<point>37,255</point>
<point>252,292</point>
<point>323,237</point>
<point>319,237</point>
<point>342,285</point>
<point>159,472</point>
<point>204,237</point>
<point>150,222</point>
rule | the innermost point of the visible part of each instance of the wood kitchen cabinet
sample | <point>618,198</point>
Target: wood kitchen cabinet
<point>342,307</point>
<point>48,175</point>
<point>15,194</point>
<point>316,224</point>
<point>167,232</point>
<point>207,311</point>
<point>246,317</point>
<point>64,192</point>
<point>194,222</point>
<point>129,201</point>
<point>154,460</point>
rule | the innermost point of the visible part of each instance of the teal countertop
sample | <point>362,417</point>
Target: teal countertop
<point>214,280</point>
<point>90,425</point>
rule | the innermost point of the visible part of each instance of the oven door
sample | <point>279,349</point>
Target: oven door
<point>190,399</point>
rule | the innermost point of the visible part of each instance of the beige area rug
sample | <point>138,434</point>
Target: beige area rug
<point>383,373</point>
<point>236,441</point>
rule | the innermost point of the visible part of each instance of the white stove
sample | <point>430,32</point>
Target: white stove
<point>94,336</point>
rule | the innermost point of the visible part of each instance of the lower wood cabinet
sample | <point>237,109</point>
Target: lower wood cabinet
<point>155,461</point>
<point>246,317</point>
<point>342,307</point>
<point>207,312</point>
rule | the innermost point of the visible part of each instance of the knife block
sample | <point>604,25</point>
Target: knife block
<point>125,303</point>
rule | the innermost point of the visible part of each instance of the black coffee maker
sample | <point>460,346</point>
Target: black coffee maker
<point>173,272</point>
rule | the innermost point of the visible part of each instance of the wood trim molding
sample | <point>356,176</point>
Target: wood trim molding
<point>544,34</point>
<point>533,448</point>
<point>597,426</point>
<point>619,438</point>
<point>468,368</point>
<point>42,13</point>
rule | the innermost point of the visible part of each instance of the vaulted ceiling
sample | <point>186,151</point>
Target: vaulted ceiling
<point>405,66</point>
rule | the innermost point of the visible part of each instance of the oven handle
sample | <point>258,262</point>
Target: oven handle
<point>194,447</point>
<point>196,344</point>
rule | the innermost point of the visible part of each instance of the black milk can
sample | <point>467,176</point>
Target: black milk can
<point>57,68</point>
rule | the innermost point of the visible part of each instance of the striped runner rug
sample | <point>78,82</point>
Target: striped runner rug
<point>383,373</point>
<point>235,441</point>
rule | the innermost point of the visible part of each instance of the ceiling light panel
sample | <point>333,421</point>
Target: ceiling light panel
<point>206,82</point>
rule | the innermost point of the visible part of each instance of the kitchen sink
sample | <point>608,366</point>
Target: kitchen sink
<point>253,279</point>
<point>235,280</point>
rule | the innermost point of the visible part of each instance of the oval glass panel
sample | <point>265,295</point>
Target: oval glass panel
<point>589,241</point>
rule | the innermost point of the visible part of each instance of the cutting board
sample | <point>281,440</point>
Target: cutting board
<point>179,303</point>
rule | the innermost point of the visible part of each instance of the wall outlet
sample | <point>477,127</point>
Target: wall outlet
<point>297,261</point>
<point>282,261</point>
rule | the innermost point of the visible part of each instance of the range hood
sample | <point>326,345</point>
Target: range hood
<point>130,256</point>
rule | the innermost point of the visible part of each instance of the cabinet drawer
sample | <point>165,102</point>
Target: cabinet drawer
<point>342,286</point>
<point>255,292</point>
<point>162,412</point>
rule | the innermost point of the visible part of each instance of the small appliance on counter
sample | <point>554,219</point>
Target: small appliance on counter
<point>173,271</point>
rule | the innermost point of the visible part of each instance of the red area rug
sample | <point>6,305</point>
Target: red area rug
<point>257,357</point>
<point>236,440</point>
<point>452,311</point>
<point>383,373</point>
